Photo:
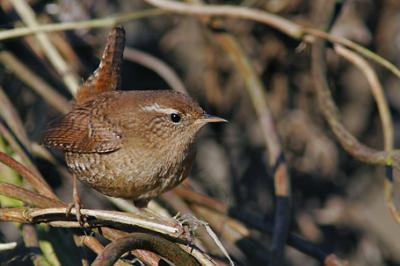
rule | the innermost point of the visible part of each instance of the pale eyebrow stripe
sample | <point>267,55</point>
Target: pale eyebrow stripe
<point>155,107</point>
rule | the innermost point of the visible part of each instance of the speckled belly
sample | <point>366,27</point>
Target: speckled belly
<point>118,175</point>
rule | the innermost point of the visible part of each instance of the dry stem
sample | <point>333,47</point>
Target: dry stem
<point>29,18</point>
<point>158,66</point>
<point>154,243</point>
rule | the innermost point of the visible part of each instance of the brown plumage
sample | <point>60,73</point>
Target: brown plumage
<point>128,144</point>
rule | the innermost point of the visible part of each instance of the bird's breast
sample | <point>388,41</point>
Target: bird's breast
<point>132,173</point>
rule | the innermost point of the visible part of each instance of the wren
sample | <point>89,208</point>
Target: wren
<point>127,144</point>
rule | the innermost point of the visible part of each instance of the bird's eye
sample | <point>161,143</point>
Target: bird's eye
<point>176,118</point>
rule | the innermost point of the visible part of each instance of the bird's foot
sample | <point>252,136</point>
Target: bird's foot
<point>78,206</point>
<point>189,224</point>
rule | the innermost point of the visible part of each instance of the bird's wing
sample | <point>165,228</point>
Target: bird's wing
<point>83,130</point>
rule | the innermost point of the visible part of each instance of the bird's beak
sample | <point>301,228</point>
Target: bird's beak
<point>213,119</point>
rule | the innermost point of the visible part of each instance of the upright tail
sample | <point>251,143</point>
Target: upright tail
<point>107,75</point>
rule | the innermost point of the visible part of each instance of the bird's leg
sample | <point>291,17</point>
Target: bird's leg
<point>141,203</point>
<point>77,204</point>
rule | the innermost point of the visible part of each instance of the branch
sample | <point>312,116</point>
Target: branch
<point>158,66</point>
<point>37,182</point>
<point>377,92</point>
<point>285,26</point>
<point>29,197</point>
<point>57,217</point>
<point>154,243</point>
<point>85,24</point>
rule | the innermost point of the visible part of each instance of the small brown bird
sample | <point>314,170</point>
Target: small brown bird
<point>128,144</point>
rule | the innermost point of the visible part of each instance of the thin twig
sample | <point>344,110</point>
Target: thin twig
<point>218,242</point>
<point>37,182</point>
<point>356,47</point>
<point>201,199</point>
<point>17,147</point>
<point>28,16</point>
<point>85,24</point>
<point>29,197</point>
<point>158,66</point>
<point>11,117</point>
<point>17,139</point>
<point>92,243</point>
<point>35,82</point>
<point>277,22</point>
<point>377,92</point>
